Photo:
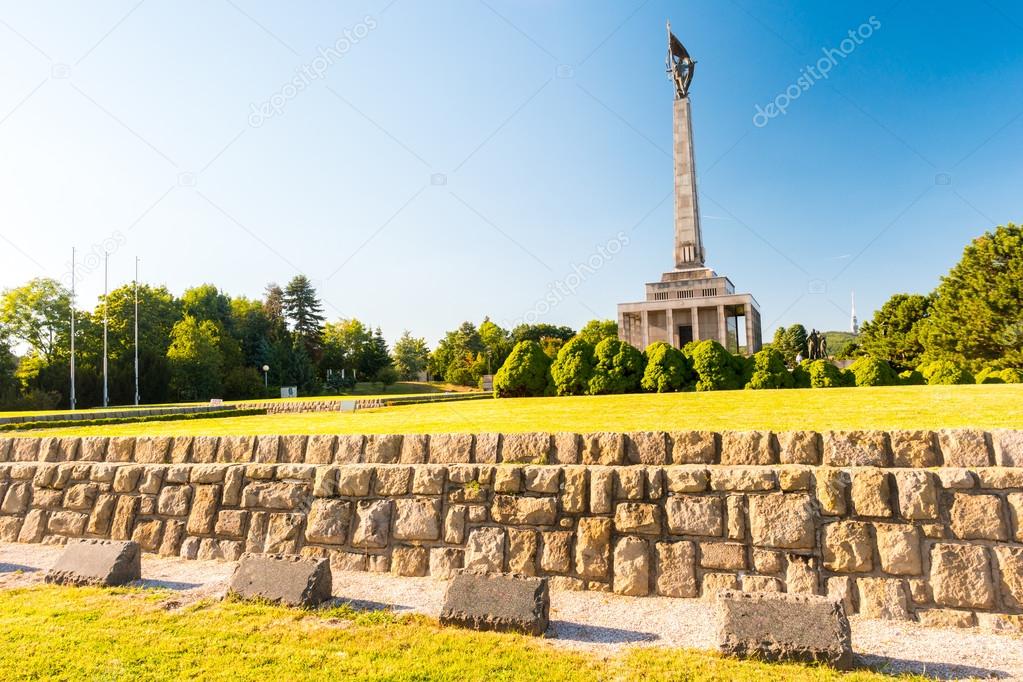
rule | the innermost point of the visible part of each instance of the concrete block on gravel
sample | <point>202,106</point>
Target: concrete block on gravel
<point>104,563</point>
<point>503,603</point>
<point>282,579</point>
<point>784,627</point>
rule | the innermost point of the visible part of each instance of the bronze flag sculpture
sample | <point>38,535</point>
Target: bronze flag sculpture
<point>680,65</point>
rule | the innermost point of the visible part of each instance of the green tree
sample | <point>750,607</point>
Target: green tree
<point>977,315</point>
<point>894,334</point>
<point>945,373</point>
<point>790,342</point>
<point>410,356</point>
<point>305,312</point>
<point>158,311</point>
<point>572,370</point>
<point>455,356</point>
<point>497,344</point>
<point>871,371</point>
<point>596,331</point>
<point>195,359</point>
<point>769,371</point>
<point>667,369</point>
<point>206,302</point>
<point>37,314</point>
<point>823,374</point>
<point>618,368</point>
<point>345,342</point>
<point>376,356</point>
<point>536,332</point>
<point>525,373</point>
<point>717,369</point>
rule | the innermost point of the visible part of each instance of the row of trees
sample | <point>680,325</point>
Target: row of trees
<point>204,344</point>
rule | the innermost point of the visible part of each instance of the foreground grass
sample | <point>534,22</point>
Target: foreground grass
<point>889,407</point>
<point>68,633</point>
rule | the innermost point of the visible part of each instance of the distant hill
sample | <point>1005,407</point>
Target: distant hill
<point>838,341</point>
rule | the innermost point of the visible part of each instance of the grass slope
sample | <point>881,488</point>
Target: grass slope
<point>889,407</point>
<point>87,633</point>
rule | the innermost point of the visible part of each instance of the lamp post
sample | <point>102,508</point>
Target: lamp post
<point>266,376</point>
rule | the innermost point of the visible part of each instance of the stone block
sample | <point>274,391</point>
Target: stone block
<point>842,589</point>
<point>1010,575</point>
<point>961,576</point>
<point>871,492</point>
<point>1000,478</point>
<point>761,583</point>
<point>593,548</point>
<point>268,449</point>
<point>230,524</point>
<point>743,479</point>
<point>105,563</point>
<point>542,479</point>
<point>518,510</point>
<point>964,448</point>
<point>782,520</point>
<point>486,447</point>
<point>292,449</point>
<point>855,448</point>
<point>1015,501</point>
<point>445,562</point>
<point>694,447</point>
<point>848,547</point>
<point>204,449</point>
<point>411,562</point>
<point>124,517</point>
<point>784,627</point>
<point>636,517</point>
<point>723,555</point>
<point>484,550</point>
<point>392,481</point>
<point>508,479</point>
<point>152,449</point>
<point>565,448</point>
<point>918,494</point>
<point>349,449</point>
<point>675,564</point>
<point>603,448</point>
<point>454,524</point>
<point>744,448</point>
<point>694,515</point>
<point>327,522</point>
<point>383,448</point>
<point>148,534</point>
<point>283,533</point>
<point>354,480</point>
<point>319,449</point>
<point>712,583</point>
<point>522,550</point>
<point>102,513</point>
<point>451,448</point>
<point>234,449</point>
<point>799,447</point>
<point>955,479</point>
<point>428,479</point>
<point>629,483</point>
<point>573,490</point>
<point>898,546</point>
<point>977,517</point>
<point>282,579</point>
<point>631,566</point>
<point>655,487</point>
<point>174,500</point>
<point>276,495</point>
<point>792,478</point>
<point>686,479</point>
<point>526,448</point>
<point>601,490</point>
<point>767,561</point>
<point>946,618</point>
<point>556,555</point>
<point>68,523</point>
<point>915,449</point>
<point>372,521</point>
<point>415,449</point>
<point>417,518</point>
<point>501,603</point>
<point>883,598</point>
<point>1008,447</point>
<point>646,447</point>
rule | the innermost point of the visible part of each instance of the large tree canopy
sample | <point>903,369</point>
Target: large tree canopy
<point>894,334</point>
<point>37,314</point>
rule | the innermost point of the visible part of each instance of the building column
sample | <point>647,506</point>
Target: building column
<point>722,327</point>
<point>645,323</point>
<point>669,322</point>
<point>694,313</point>
<point>748,318</point>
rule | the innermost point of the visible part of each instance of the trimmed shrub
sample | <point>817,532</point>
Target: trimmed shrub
<point>993,375</point>
<point>801,376</point>
<point>526,372</point>
<point>667,369</point>
<point>911,377</point>
<point>618,368</point>
<point>572,370</point>
<point>946,373</point>
<point>870,371</point>
<point>716,368</point>
<point>823,374</point>
<point>769,371</point>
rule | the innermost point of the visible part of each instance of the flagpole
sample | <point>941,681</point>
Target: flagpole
<point>136,331</point>
<point>106,306</point>
<point>72,395</point>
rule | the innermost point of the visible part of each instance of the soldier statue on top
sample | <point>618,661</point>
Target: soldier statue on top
<point>817,345</point>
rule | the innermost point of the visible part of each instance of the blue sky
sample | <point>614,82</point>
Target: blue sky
<point>451,160</point>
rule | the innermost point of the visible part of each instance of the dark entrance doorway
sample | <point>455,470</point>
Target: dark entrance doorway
<point>685,334</point>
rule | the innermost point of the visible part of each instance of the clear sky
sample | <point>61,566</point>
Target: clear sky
<point>426,163</point>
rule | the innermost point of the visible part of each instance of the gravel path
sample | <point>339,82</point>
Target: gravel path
<point>591,621</point>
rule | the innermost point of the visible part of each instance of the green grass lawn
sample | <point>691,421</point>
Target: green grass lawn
<point>87,633</point>
<point>891,407</point>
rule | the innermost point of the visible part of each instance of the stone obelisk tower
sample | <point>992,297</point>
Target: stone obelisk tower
<point>688,237</point>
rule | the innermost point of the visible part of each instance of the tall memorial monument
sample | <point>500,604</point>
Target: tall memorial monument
<point>691,302</point>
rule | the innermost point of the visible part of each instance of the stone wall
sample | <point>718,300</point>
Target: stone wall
<point>942,545</point>
<point>899,449</point>
<point>301,406</point>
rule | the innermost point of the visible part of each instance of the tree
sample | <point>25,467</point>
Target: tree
<point>716,368</point>
<point>769,371</point>
<point>158,311</point>
<point>894,334</point>
<point>596,331</point>
<point>305,312</point>
<point>455,356</point>
<point>273,305</point>
<point>525,373</point>
<point>823,374</point>
<point>375,357</point>
<point>344,344</point>
<point>410,356</point>
<point>667,369</point>
<point>572,370</point>
<point>536,332</point>
<point>37,314</point>
<point>195,359</point>
<point>497,344</point>
<point>871,371</point>
<point>618,368</point>
<point>945,373</point>
<point>790,343</point>
<point>977,315</point>
<point>206,302</point>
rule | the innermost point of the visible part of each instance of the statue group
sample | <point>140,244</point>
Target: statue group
<point>817,345</point>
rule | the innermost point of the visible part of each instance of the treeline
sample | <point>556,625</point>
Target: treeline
<point>202,345</point>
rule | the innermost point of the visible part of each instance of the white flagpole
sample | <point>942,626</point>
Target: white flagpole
<point>136,331</point>
<point>106,305</point>
<point>72,395</point>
